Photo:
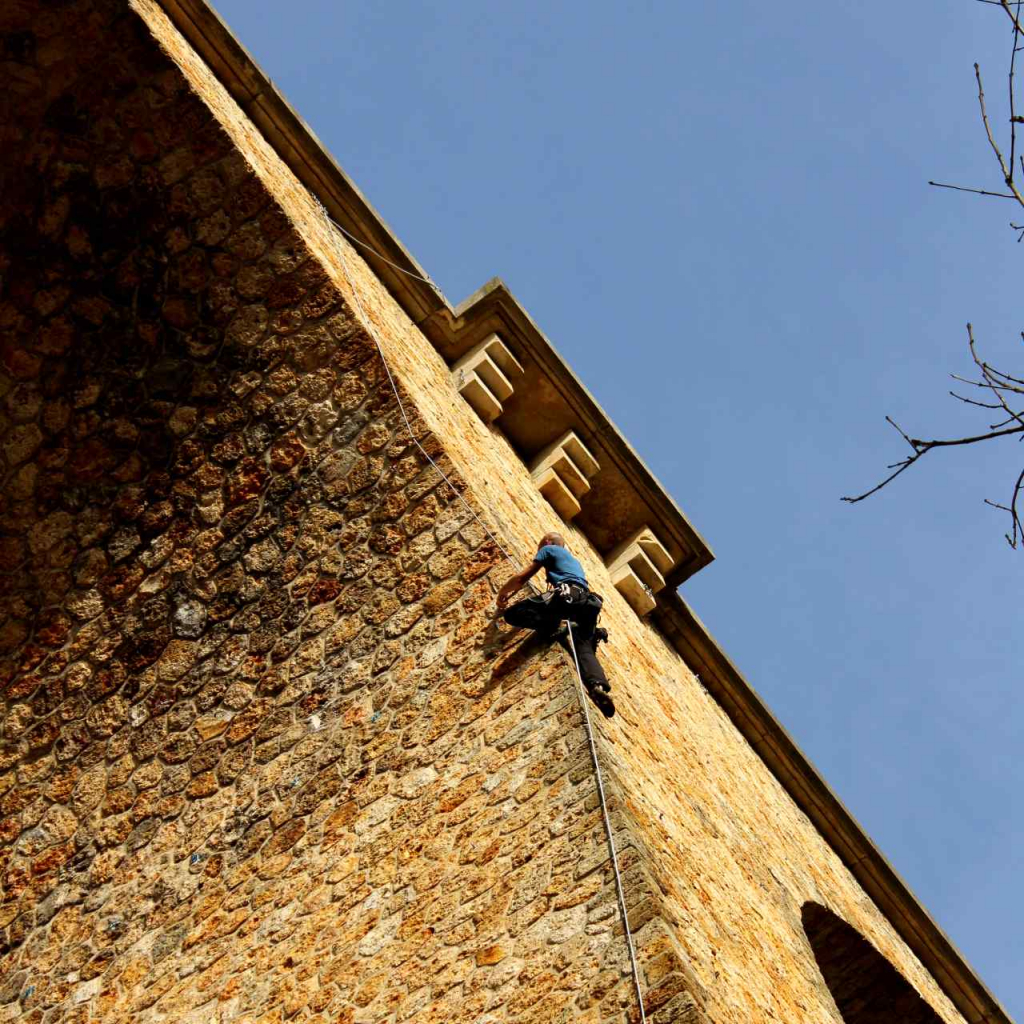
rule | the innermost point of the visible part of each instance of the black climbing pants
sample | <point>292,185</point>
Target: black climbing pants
<point>544,612</point>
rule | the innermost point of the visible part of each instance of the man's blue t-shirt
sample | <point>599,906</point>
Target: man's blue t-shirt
<point>560,566</point>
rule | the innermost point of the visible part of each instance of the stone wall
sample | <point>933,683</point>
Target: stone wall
<point>265,755</point>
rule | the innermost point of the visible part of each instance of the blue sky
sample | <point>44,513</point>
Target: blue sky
<point>737,195</point>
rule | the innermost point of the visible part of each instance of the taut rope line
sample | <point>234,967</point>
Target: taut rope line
<point>608,829</point>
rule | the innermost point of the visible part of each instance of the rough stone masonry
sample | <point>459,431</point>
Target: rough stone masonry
<point>265,756</point>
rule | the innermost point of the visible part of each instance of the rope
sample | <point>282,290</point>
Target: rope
<point>583,697</point>
<point>315,719</point>
<point>370,248</point>
<point>608,828</point>
<point>394,387</point>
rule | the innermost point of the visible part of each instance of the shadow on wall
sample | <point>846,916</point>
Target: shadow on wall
<point>866,988</point>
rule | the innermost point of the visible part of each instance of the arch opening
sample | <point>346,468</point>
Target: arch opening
<point>865,987</point>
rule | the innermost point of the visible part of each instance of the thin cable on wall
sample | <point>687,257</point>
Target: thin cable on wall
<point>316,719</point>
<point>369,248</point>
<point>394,387</point>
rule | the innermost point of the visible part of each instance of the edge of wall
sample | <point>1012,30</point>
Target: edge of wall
<point>425,304</point>
<point>815,798</point>
<point>448,328</point>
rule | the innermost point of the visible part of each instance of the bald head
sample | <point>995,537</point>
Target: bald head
<point>551,538</point>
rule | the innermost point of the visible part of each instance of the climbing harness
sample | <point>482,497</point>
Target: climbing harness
<point>607,826</point>
<point>620,892</point>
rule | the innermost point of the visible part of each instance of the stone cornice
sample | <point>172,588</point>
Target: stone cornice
<point>627,484</point>
<point>639,497</point>
<point>635,493</point>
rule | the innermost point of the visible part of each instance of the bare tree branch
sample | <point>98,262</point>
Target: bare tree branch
<point>1002,388</point>
<point>921,448</point>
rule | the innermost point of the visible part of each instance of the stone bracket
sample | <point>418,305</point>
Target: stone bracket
<point>562,472</point>
<point>638,568</point>
<point>482,376</point>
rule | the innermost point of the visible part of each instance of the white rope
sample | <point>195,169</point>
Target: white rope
<point>608,828</point>
<point>315,719</point>
<point>583,697</point>
<point>394,387</point>
<point>370,248</point>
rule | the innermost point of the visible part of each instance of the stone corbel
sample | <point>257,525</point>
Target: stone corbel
<point>562,472</point>
<point>638,569</point>
<point>482,376</point>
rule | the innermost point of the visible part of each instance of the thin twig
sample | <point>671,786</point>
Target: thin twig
<point>902,432</point>
<point>976,191</point>
<point>1002,423</point>
<point>1013,112</point>
<point>904,465</point>
<point>1013,511</point>
<point>1006,376</point>
<point>1014,514</point>
<point>927,446</point>
<point>971,401</point>
<point>1007,177</point>
<point>989,376</point>
<point>987,386</point>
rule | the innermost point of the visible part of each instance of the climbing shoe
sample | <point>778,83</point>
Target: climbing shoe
<point>601,698</point>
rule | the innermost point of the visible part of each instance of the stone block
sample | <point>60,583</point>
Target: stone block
<point>562,472</point>
<point>637,568</point>
<point>561,499</point>
<point>482,376</point>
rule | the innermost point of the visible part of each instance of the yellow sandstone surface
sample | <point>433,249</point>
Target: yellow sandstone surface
<point>266,754</point>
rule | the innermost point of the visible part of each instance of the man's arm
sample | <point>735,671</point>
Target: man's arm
<point>517,581</point>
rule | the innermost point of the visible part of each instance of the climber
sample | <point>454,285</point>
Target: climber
<point>568,598</point>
